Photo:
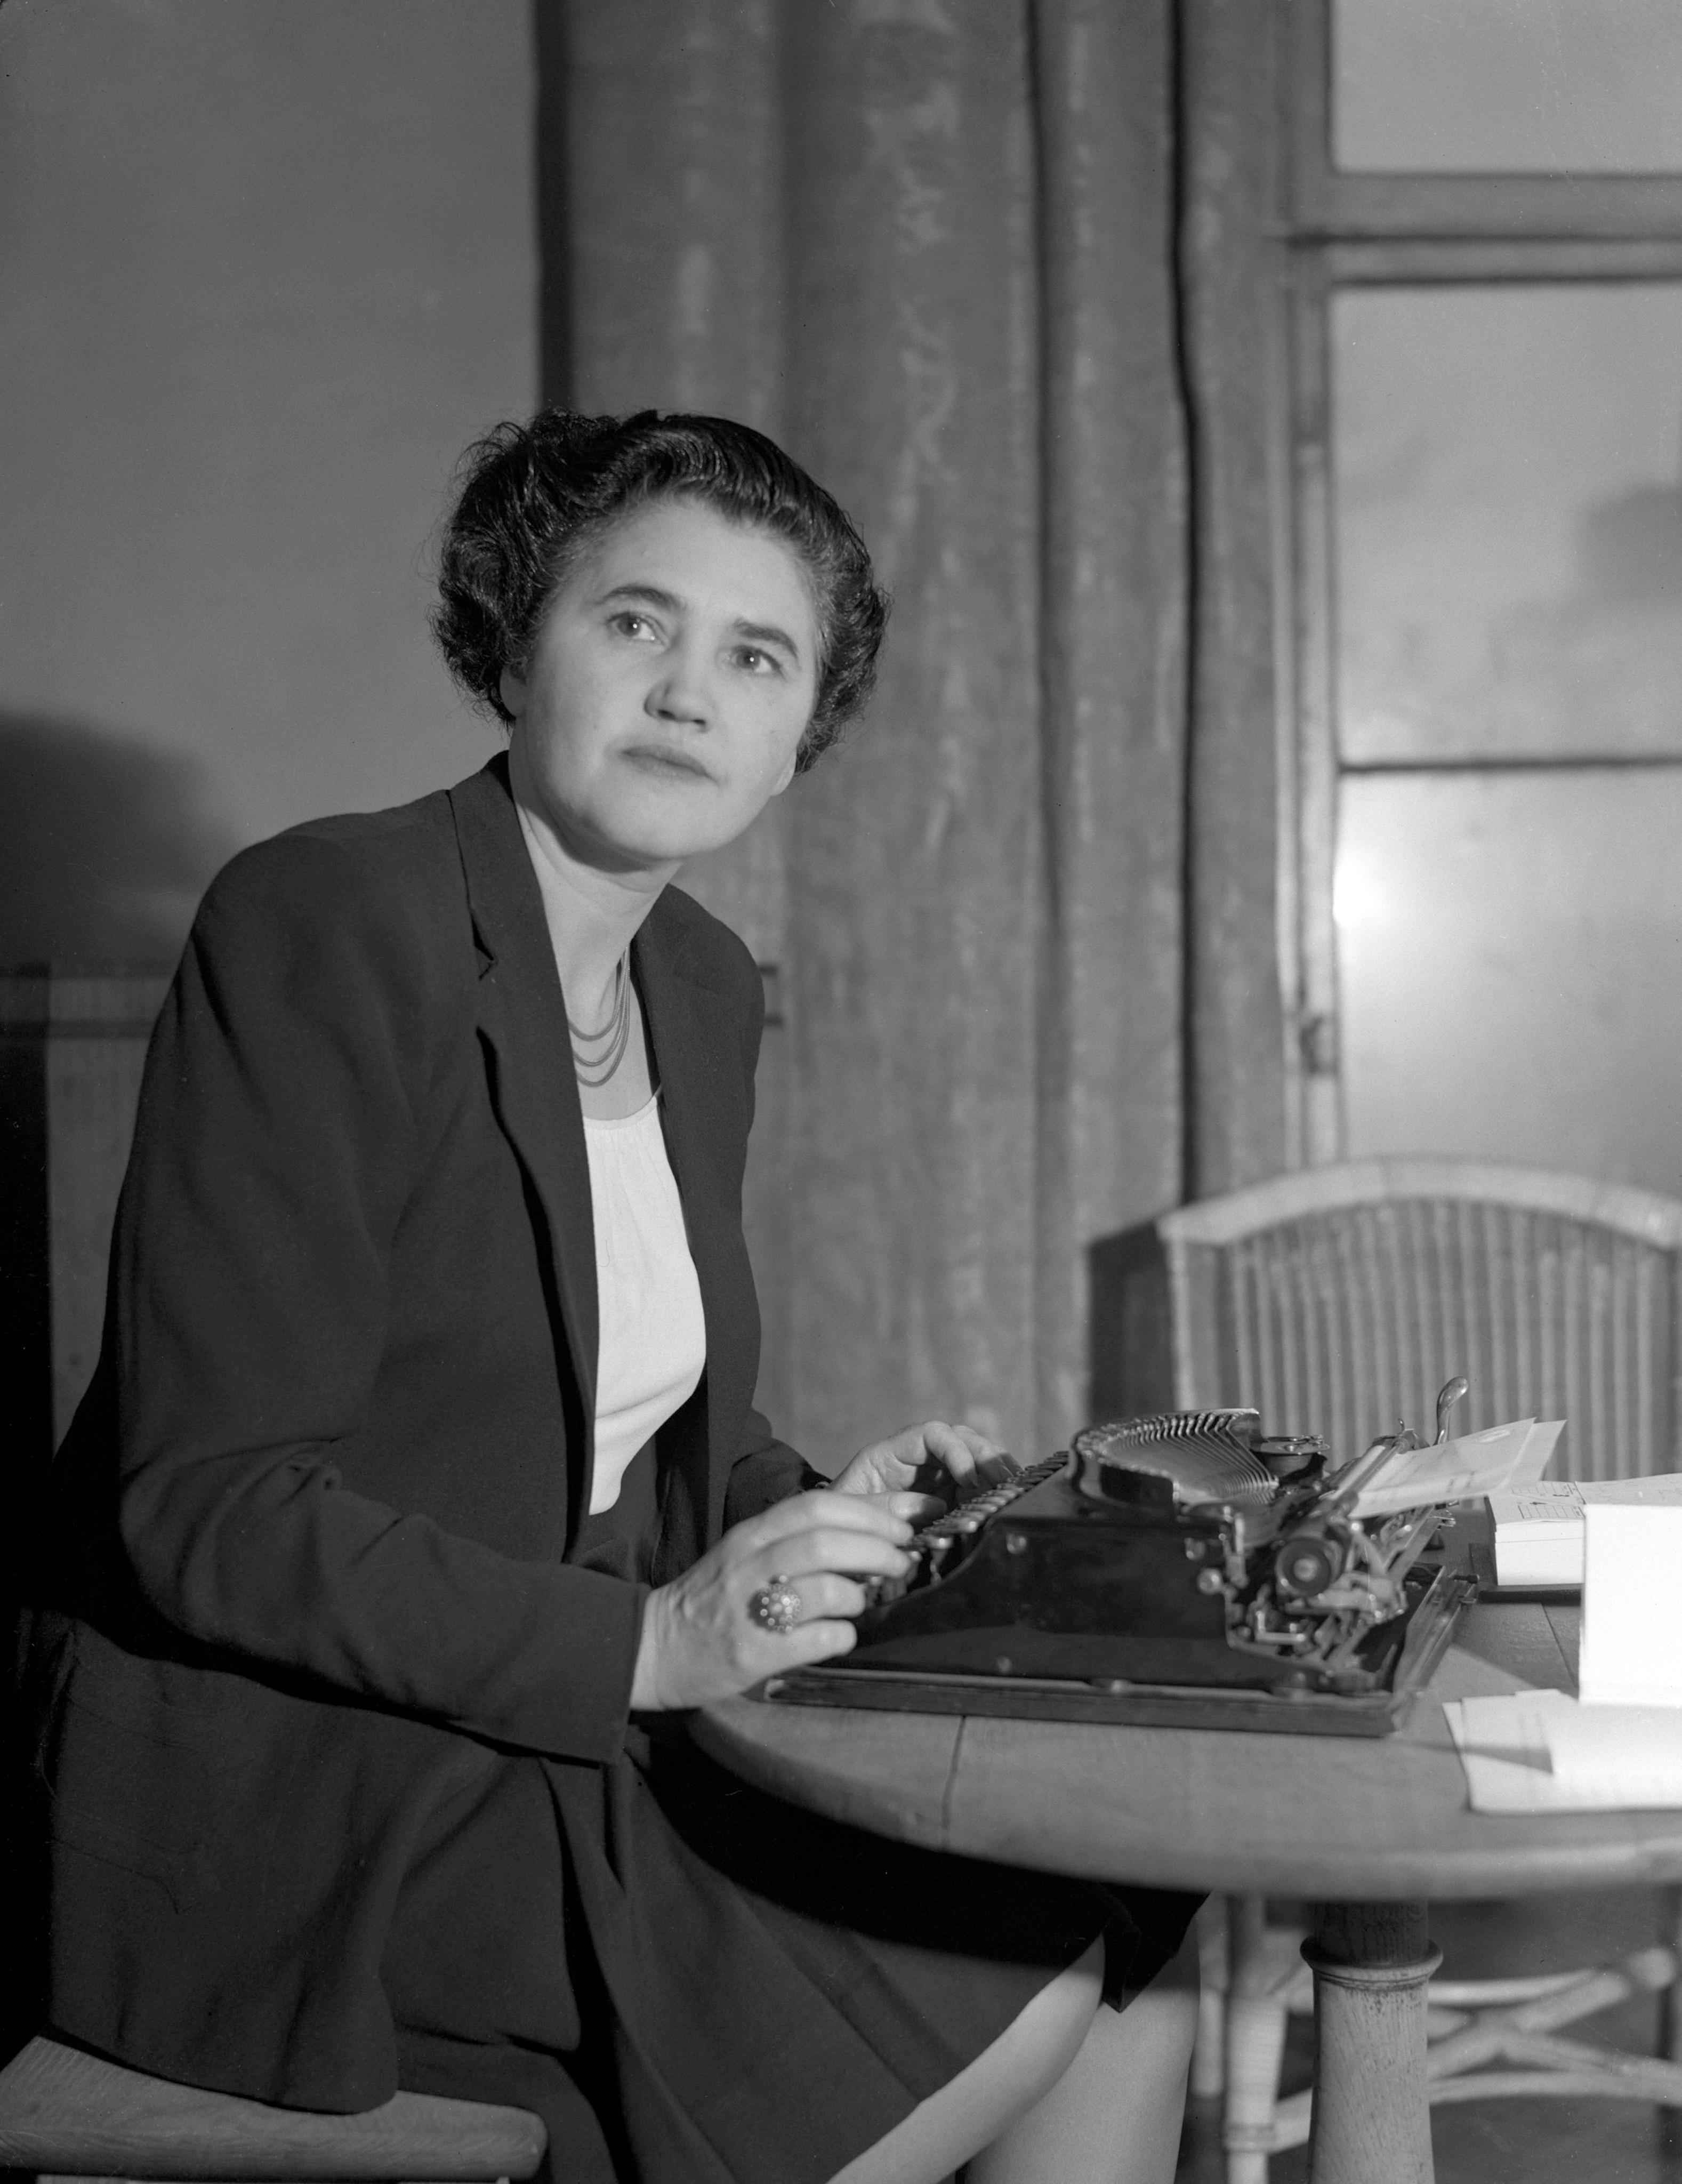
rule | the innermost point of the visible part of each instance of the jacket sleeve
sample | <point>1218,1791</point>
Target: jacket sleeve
<point>284,1112</point>
<point>765,1470</point>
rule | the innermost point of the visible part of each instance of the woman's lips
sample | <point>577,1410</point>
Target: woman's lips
<point>663,759</point>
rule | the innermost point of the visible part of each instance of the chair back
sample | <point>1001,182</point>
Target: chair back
<point>1338,1300</point>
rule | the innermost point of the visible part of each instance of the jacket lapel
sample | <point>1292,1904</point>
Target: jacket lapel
<point>523,1018</point>
<point>692,1025</point>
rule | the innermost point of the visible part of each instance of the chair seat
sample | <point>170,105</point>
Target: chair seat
<point>65,2112</point>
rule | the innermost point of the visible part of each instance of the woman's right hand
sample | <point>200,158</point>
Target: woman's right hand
<point>701,1639</point>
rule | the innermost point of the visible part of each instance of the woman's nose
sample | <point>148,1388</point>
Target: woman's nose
<point>681,693</point>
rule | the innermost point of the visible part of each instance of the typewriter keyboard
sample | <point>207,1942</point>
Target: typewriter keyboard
<point>940,1547</point>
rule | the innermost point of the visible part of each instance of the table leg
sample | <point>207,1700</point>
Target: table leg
<point>1372,2120</point>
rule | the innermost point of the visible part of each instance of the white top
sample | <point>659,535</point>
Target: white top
<point>653,1343</point>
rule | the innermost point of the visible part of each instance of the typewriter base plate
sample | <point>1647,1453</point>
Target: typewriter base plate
<point>1163,1706</point>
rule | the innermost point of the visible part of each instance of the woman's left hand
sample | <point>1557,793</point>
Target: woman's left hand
<point>921,1461</point>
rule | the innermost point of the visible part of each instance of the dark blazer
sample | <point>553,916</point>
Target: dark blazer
<point>301,1579</point>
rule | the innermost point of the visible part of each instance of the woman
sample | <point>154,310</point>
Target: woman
<point>417,1492</point>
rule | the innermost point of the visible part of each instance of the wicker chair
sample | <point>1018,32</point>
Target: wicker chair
<point>1336,1301</point>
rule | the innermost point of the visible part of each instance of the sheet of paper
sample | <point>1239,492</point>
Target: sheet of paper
<point>1634,1751</point>
<point>1493,1461</point>
<point>1540,1751</point>
<point>1632,1603</point>
<point>1503,1748</point>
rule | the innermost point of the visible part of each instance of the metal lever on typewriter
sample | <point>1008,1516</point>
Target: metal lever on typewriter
<point>1348,1482</point>
<point>1313,1559</point>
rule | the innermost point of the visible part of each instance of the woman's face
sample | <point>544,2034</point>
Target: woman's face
<point>674,674</point>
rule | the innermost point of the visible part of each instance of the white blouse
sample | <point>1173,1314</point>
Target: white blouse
<point>653,1343</point>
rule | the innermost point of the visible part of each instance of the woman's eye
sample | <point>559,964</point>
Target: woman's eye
<point>757,662</point>
<point>634,626</point>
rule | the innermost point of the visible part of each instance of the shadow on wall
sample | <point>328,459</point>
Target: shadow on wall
<point>105,846</point>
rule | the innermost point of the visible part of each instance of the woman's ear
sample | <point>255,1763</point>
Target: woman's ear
<point>787,773</point>
<point>511,686</point>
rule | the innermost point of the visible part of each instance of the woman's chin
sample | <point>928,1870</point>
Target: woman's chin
<point>659,850</point>
<point>669,831</point>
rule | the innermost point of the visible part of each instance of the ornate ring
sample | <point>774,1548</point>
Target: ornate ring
<point>775,1607</point>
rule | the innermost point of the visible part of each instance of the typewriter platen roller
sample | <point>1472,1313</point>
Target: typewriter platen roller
<point>1183,1567</point>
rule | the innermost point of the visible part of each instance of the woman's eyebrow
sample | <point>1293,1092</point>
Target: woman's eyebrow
<point>767,632</point>
<point>647,595</point>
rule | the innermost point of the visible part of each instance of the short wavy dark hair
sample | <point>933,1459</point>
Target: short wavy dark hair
<point>533,497</point>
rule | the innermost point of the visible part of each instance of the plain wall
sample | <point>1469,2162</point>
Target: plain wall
<point>267,266</point>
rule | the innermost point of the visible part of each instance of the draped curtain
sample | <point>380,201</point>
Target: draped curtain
<point>988,270</point>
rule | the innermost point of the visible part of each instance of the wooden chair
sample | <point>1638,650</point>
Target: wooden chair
<point>77,1042</point>
<point>1336,1301</point>
<point>66,2113</point>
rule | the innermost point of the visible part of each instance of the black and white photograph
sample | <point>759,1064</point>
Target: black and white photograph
<point>840,1016</point>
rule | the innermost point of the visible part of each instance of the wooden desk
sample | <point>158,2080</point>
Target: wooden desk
<point>1369,1828</point>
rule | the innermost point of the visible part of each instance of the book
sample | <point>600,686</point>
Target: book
<point>1539,1529</point>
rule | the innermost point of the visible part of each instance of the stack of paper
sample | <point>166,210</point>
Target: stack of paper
<point>1538,1529</point>
<point>1632,1603</point>
<point>1538,1534</point>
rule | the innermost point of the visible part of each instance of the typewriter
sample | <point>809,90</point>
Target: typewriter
<point>1183,1568</point>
